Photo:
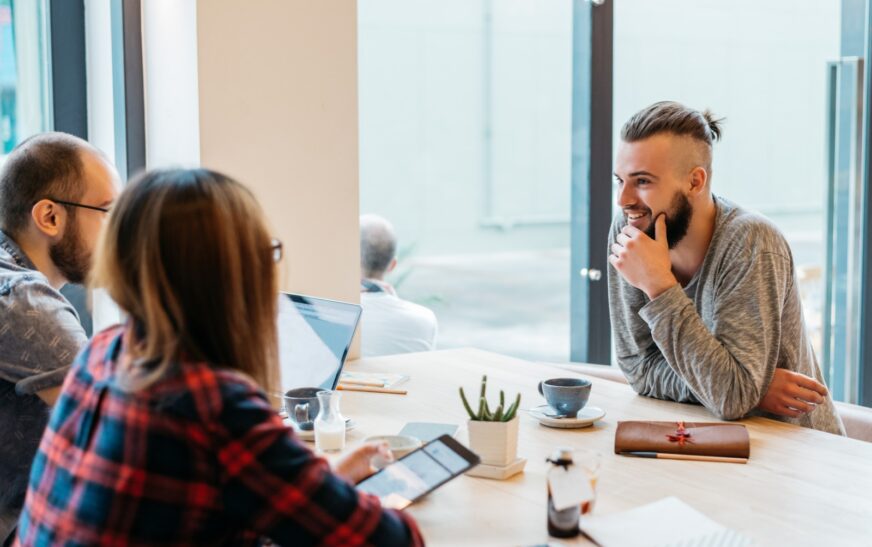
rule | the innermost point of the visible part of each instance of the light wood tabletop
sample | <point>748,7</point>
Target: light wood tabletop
<point>800,487</point>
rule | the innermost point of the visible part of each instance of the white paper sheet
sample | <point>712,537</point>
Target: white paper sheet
<point>569,487</point>
<point>666,522</point>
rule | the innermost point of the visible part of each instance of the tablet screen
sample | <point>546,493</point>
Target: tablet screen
<point>416,474</point>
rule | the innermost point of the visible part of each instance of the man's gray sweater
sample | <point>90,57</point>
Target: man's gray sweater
<point>719,340</point>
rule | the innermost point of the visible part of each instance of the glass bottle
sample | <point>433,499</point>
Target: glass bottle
<point>563,523</point>
<point>329,423</point>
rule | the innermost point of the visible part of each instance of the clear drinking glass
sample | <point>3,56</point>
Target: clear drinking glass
<point>329,424</point>
<point>590,461</point>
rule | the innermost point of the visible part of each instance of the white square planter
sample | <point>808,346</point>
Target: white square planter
<point>495,442</point>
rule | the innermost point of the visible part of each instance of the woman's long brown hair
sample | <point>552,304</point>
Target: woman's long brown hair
<point>188,256</point>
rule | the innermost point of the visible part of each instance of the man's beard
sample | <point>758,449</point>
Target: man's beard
<point>677,220</point>
<point>69,255</point>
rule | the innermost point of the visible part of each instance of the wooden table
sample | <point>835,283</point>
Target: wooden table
<point>801,487</point>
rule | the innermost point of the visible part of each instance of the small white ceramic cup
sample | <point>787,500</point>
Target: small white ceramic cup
<point>399,445</point>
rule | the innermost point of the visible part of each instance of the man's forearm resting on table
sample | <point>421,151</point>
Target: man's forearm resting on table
<point>729,383</point>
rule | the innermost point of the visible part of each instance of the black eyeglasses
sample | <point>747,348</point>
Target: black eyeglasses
<point>277,248</point>
<point>82,205</point>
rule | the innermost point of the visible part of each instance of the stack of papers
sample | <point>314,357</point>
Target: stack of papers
<point>669,521</point>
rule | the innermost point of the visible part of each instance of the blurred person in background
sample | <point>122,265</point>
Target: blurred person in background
<point>389,324</point>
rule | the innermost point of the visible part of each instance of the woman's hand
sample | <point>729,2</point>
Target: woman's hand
<point>356,465</point>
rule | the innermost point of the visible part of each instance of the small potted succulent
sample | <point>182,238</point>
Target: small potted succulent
<point>493,434</point>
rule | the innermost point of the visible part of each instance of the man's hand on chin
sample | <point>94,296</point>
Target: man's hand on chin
<point>644,262</point>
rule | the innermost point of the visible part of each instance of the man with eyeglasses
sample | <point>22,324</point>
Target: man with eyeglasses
<point>55,193</point>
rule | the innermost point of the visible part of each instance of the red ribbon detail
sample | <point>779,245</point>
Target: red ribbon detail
<point>681,435</point>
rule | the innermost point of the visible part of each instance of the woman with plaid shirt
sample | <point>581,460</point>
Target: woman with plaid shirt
<point>163,433</point>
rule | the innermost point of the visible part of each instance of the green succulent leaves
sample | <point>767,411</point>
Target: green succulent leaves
<point>500,414</point>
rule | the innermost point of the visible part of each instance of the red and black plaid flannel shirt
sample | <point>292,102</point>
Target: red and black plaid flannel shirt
<point>197,459</point>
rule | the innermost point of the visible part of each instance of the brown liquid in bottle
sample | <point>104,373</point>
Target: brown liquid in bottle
<point>564,523</point>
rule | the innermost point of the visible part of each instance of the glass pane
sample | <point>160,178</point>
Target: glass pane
<point>25,92</point>
<point>762,66</point>
<point>24,69</point>
<point>465,126</point>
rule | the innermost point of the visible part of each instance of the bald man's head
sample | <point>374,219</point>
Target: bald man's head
<point>378,246</point>
<point>43,166</point>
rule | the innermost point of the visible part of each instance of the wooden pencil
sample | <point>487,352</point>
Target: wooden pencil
<point>362,382</point>
<point>371,389</point>
<point>686,457</point>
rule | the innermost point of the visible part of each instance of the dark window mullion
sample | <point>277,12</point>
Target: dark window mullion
<point>591,180</point>
<point>69,97</point>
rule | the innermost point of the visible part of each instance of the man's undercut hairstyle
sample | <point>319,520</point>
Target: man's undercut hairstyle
<point>675,119</point>
<point>378,245</point>
<point>48,165</point>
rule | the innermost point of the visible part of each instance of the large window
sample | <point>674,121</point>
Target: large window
<point>25,105</point>
<point>29,72</point>
<point>790,88</point>
<point>465,126</point>
<point>482,138</point>
<point>766,75</point>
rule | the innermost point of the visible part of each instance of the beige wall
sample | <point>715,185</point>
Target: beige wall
<point>278,111</point>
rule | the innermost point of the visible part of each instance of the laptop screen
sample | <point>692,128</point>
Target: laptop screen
<point>314,337</point>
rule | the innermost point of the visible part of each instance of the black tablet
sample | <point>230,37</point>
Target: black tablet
<point>420,472</point>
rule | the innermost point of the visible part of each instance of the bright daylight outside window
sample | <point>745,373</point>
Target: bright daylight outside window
<point>465,121</point>
<point>24,95</point>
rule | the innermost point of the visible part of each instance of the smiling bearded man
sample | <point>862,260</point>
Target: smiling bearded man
<point>703,295</point>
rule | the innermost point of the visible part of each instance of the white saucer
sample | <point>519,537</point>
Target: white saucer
<point>310,434</point>
<point>585,418</point>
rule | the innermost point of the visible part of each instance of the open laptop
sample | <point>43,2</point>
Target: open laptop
<point>314,337</point>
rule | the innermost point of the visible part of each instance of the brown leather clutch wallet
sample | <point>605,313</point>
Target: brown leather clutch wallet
<point>696,438</point>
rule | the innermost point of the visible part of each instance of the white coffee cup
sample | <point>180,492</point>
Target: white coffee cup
<point>399,445</point>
